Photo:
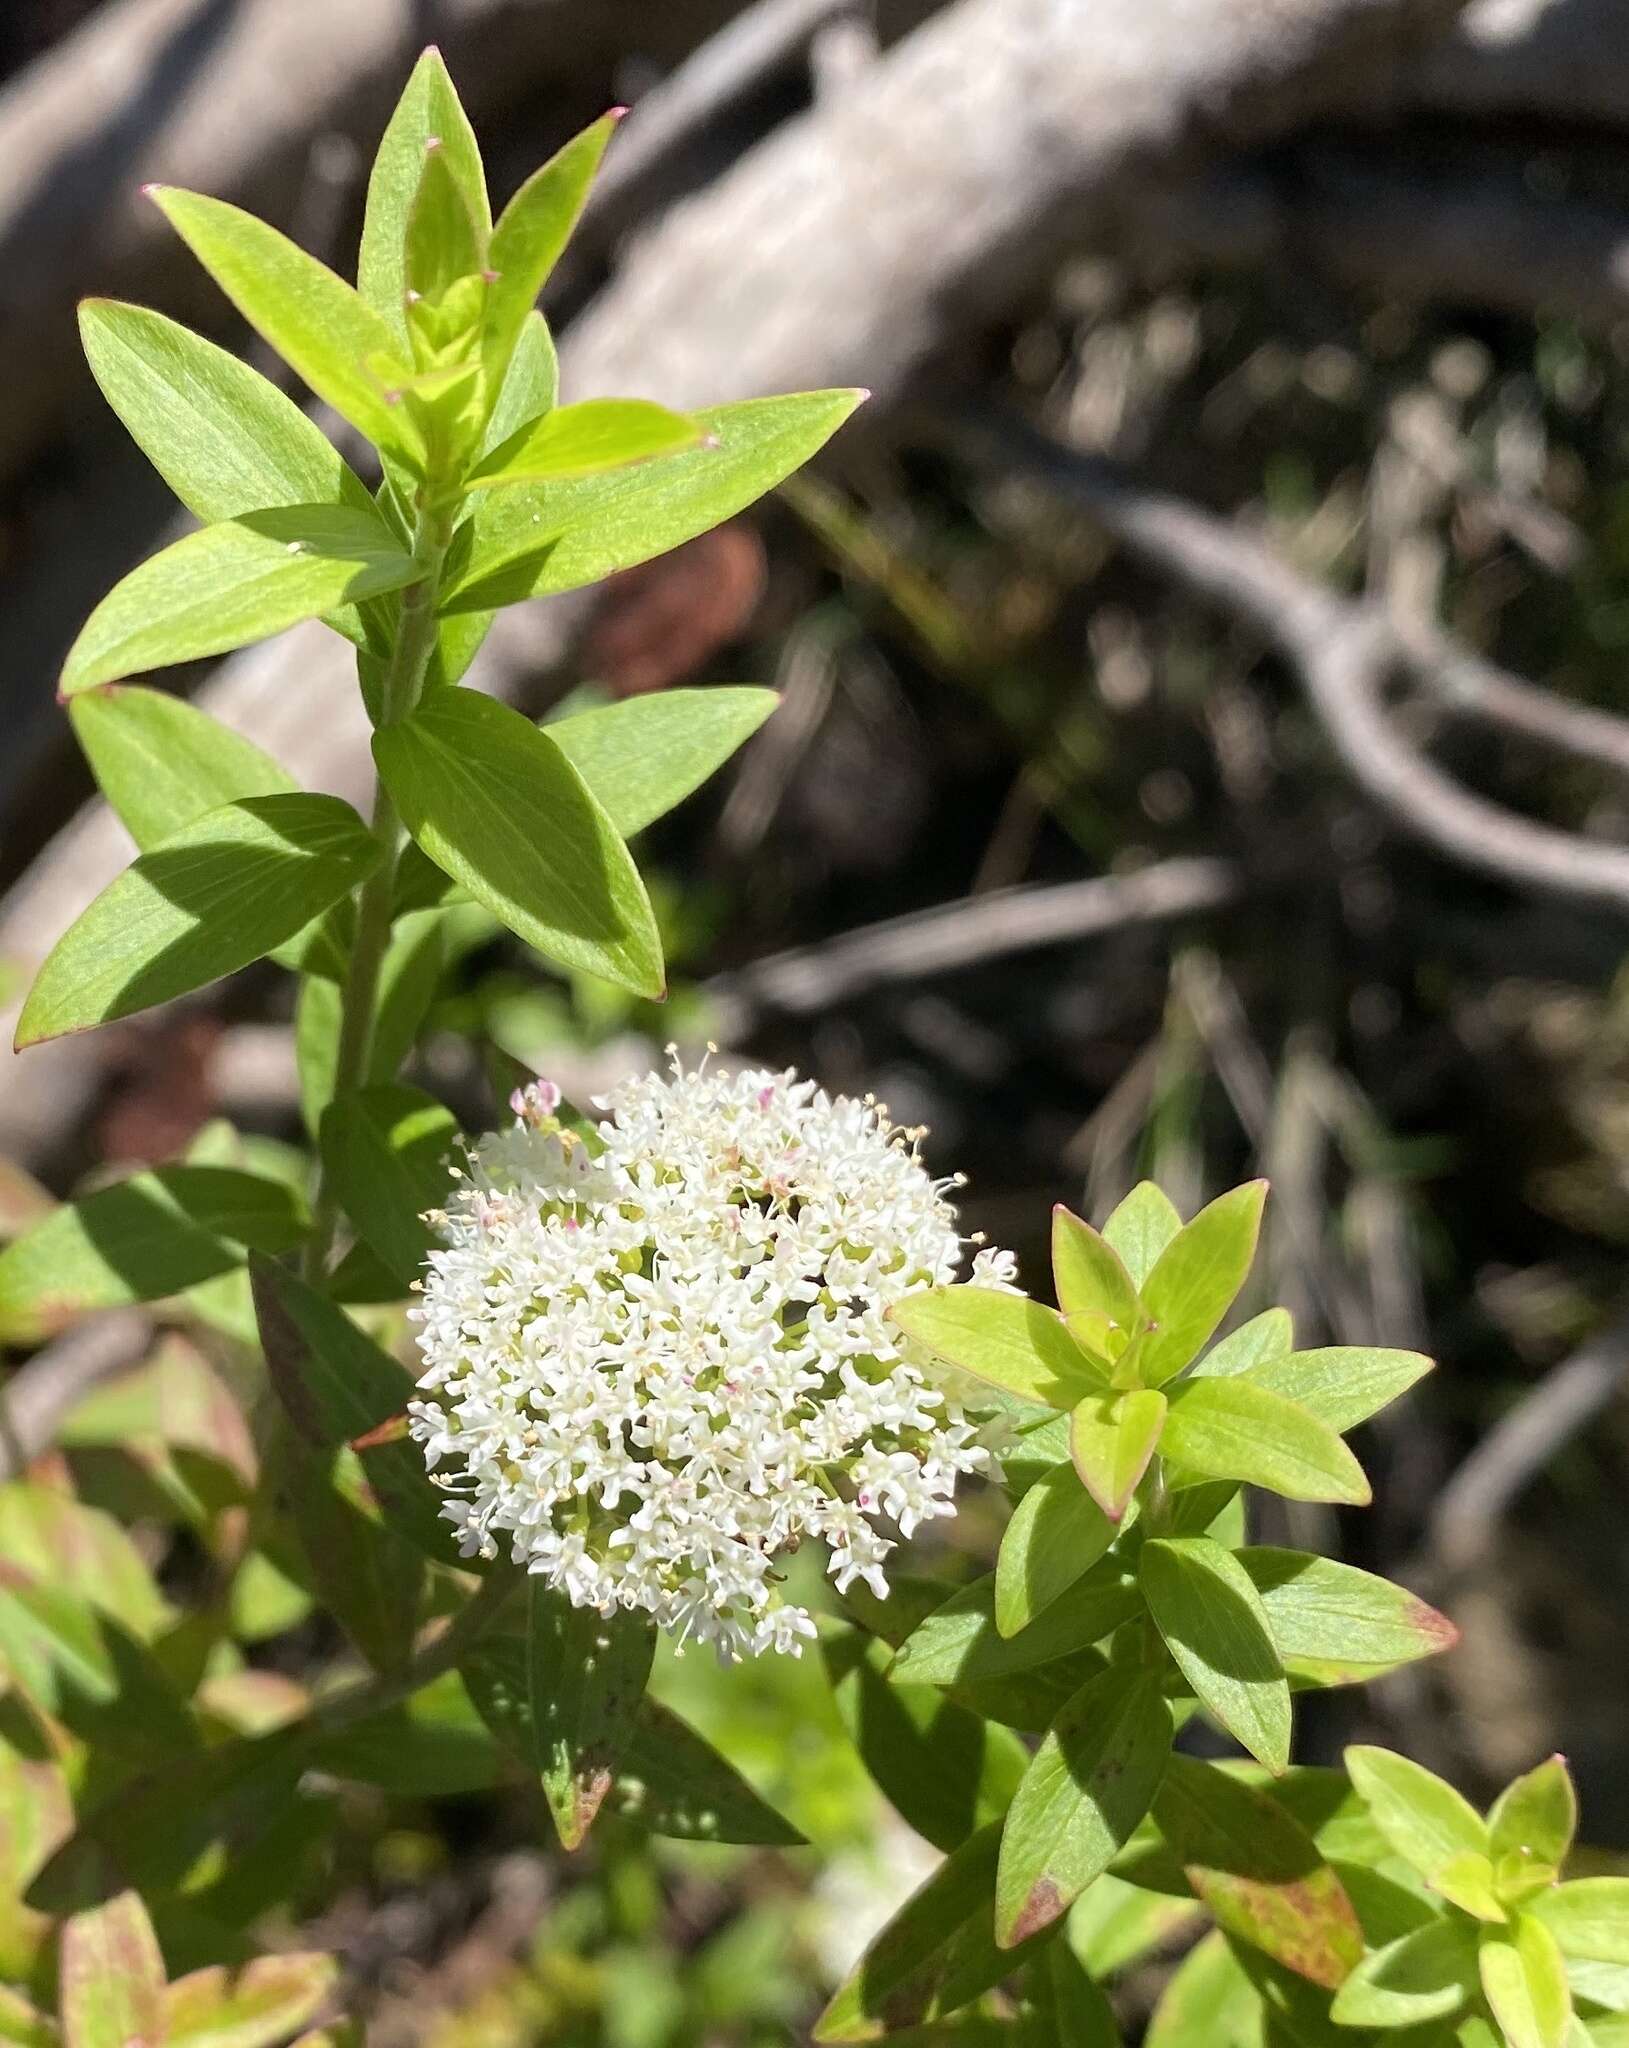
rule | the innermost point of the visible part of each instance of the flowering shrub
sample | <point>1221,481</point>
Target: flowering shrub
<point>657,1351</point>
<point>660,1356</point>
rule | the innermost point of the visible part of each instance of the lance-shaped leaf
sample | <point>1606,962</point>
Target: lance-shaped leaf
<point>1089,1274</point>
<point>1428,1974</point>
<point>328,335</point>
<point>1003,1339</point>
<point>531,232</point>
<point>1233,1429</point>
<point>1111,1439</point>
<point>1208,2000</point>
<point>141,1239</point>
<point>1216,1628</point>
<point>446,242</point>
<point>428,114</point>
<point>1334,1625</point>
<point>337,1386</point>
<point>216,895</point>
<point>1426,1821</point>
<point>111,1977</point>
<point>1588,1917</point>
<point>672,1781</point>
<point>370,1578</point>
<point>570,1713</point>
<point>239,580</point>
<point>1088,1786</point>
<point>256,2005</point>
<point>223,437</point>
<point>943,1769</point>
<point>87,1672</point>
<point>1070,2005</point>
<point>960,1645</point>
<point>646,754</point>
<point>496,804</point>
<point>585,440</point>
<point>1057,1533</point>
<point>1255,1343</point>
<point>1343,1385</point>
<point>162,763</point>
<point>1141,1228</point>
<point>1532,1823</point>
<point>388,1154</point>
<point>936,1955</point>
<point>540,538</point>
<point>1259,1871</point>
<point>1195,1279</point>
<point>1524,1980</point>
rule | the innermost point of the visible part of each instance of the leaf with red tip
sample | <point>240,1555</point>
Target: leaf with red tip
<point>1088,1787</point>
<point>111,1990</point>
<point>1258,1871</point>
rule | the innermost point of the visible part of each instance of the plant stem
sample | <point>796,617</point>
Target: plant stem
<point>370,1696</point>
<point>399,692</point>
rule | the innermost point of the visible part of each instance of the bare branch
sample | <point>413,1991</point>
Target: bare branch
<point>1343,651</point>
<point>1513,1454</point>
<point>957,935</point>
<point>36,1398</point>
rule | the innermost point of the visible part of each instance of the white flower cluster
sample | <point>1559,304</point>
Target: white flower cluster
<point>658,1359</point>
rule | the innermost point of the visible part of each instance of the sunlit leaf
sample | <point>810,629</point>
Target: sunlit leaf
<point>111,1990</point>
<point>1334,1625</point>
<point>1057,1532</point>
<point>1004,1339</point>
<point>1141,1228</point>
<point>646,754</point>
<point>1234,1429</point>
<point>1112,1437</point>
<point>1525,1983</point>
<point>1193,1282</point>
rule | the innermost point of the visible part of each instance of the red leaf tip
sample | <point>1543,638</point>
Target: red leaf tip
<point>616,113</point>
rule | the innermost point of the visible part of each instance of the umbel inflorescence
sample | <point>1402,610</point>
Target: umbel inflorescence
<point>659,1358</point>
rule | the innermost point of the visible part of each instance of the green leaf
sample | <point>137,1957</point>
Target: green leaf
<point>646,754</point>
<point>80,1551</point>
<point>1588,1917</point>
<point>1111,1439</point>
<point>1234,1429</point>
<point>387,1152</point>
<point>87,1671</point>
<point>1088,1786</point>
<point>1534,1820</point>
<point>36,1816</point>
<point>959,1643</point>
<point>1003,1339</point>
<point>409,977</point>
<point>1525,1982</point>
<point>943,1769</point>
<point>585,440</point>
<point>445,241</point>
<point>1071,2005</point>
<point>141,1239</point>
<point>540,538</point>
<point>1209,2002</point>
<point>1425,1820</point>
<point>1194,1281</point>
<point>1467,1882</point>
<point>239,580</point>
<point>216,895</point>
<point>369,1578</point>
<point>1089,1274</point>
<point>337,1385</point>
<point>1259,1872</point>
<point>161,763</point>
<point>111,1989</point>
<point>935,1955</point>
<point>254,2006</point>
<point>531,384</point>
<point>1342,1386</point>
<point>1141,1228</point>
<point>1265,1337</point>
<point>1335,1625</point>
<point>585,1678</point>
<point>1115,1924</point>
<point>23,2024</point>
<point>332,338</point>
<point>1057,1532</point>
<point>1426,1975</point>
<point>672,1781</point>
<point>496,804</point>
<point>1216,1627</point>
<point>223,437</point>
<point>428,110</point>
<point>531,233</point>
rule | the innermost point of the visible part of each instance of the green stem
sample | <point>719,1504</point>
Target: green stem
<point>371,1696</point>
<point>399,692</point>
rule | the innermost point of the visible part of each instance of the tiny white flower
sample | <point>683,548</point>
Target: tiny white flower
<point>654,1367</point>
